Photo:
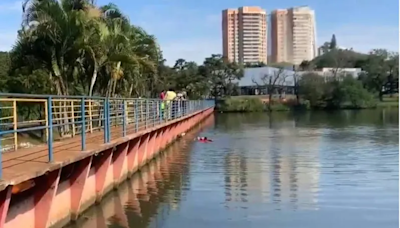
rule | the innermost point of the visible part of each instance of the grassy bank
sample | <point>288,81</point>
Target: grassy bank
<point>249,104</point>
<point>389,102</point>
<point>259,104</point>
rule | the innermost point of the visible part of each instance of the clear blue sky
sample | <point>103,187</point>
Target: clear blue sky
<point>192,29</point>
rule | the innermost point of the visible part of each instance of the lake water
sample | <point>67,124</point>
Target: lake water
<point>309,170</point>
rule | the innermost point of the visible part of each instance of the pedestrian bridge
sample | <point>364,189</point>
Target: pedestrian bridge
<point>59,154</point>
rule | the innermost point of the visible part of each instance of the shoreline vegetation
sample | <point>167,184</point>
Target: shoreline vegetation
<point>244,104</point>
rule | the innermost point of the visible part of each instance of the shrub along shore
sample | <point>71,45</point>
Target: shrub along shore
<point>254,104</point>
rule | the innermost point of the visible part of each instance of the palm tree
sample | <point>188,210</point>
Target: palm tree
<point>55,31</point>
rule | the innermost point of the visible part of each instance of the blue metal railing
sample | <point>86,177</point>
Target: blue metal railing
<point>28,120</point>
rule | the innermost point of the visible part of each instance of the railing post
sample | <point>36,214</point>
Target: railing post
<point>147,112</point>
<point>185,107</point>
<point>124,118</point>
<point>83,126</point>
<point>73,117</point>
<point>50,127</point>
<point>1,151</point>
<point>160,111</point>
<point>155,111</point>
<point>105,119</point>
<point>136,116</point>
<point>15,124</point>
<point>173,112</point>
<point>108,120</point>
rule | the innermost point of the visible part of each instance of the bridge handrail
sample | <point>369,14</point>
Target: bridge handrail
<point>80,115</point>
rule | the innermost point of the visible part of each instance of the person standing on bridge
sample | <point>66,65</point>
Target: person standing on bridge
<point>169,98</point>
<point>162,104</point>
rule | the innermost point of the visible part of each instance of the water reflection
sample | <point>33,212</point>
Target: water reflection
<point>309,170</point>
<point>155,191</point>
<point>279,168</point>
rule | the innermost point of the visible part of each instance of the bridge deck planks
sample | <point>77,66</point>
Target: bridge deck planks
<point>28,163</point>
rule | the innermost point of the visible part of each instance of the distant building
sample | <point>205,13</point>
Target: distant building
<point>252,82</point>
<point>321,51</point>
<point>293,35</point>
<point>244,35</point>
<point>328,73</point>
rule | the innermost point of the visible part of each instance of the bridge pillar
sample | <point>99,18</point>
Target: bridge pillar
<point>142,149</point>
<point>45,190</point>
<point>119,157</point>
<point>160,135</point>
<point>5,197</point>
<point>150,148</point>
<point>168,136</point>
<point>164,139</point>
<point>102,163</point>
<point>132,155</point>
<point>77,183</point>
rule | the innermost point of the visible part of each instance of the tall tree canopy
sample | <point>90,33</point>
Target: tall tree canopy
<point>75,47</point>
<point>333,43</point>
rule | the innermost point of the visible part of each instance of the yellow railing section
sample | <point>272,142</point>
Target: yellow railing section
<point>36,119</point>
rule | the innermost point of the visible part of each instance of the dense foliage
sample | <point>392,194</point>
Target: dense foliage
<point>241,105</point>
<point>379,76</point>
<point>74,47</point>
<point>342,92</point>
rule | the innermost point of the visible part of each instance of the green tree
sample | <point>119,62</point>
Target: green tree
<point>221,75</point>
<point>273,82</point>
<point>311,88</point>
<point>338,59</point>
<point>333,43</point>
<point>4,66</point>
<point>326,47</point>
<point>380,67</point>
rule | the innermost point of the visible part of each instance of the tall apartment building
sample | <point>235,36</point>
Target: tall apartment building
<point>244,35</point>
<point>293,35</point>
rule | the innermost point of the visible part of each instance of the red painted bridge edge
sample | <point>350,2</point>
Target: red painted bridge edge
<point>60,195</point>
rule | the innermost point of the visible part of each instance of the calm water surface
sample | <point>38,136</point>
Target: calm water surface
<point>309,170</point>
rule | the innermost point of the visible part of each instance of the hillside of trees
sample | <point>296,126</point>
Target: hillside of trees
<point>78,48</point>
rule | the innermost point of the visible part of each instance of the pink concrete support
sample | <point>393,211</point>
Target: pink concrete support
<point>173,132</point>
<point>158,145</point>
<point>5,197</point>
<point>178,128</point>
<point>132,154</point>
<point>167,138</point>
<point>77,183</point>
<point>142,149</point>
<point>185,125</point>
<point>102,164</point>
<point>46,188</point>
<point>118,161</point>
<point>150,147</point>
<point>163,140</point>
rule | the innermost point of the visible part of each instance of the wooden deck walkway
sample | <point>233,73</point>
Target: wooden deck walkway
<point>25,164</point>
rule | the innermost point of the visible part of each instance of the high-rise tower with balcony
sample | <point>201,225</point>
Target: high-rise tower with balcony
<point>244,35</point>
<point>293,35</point>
